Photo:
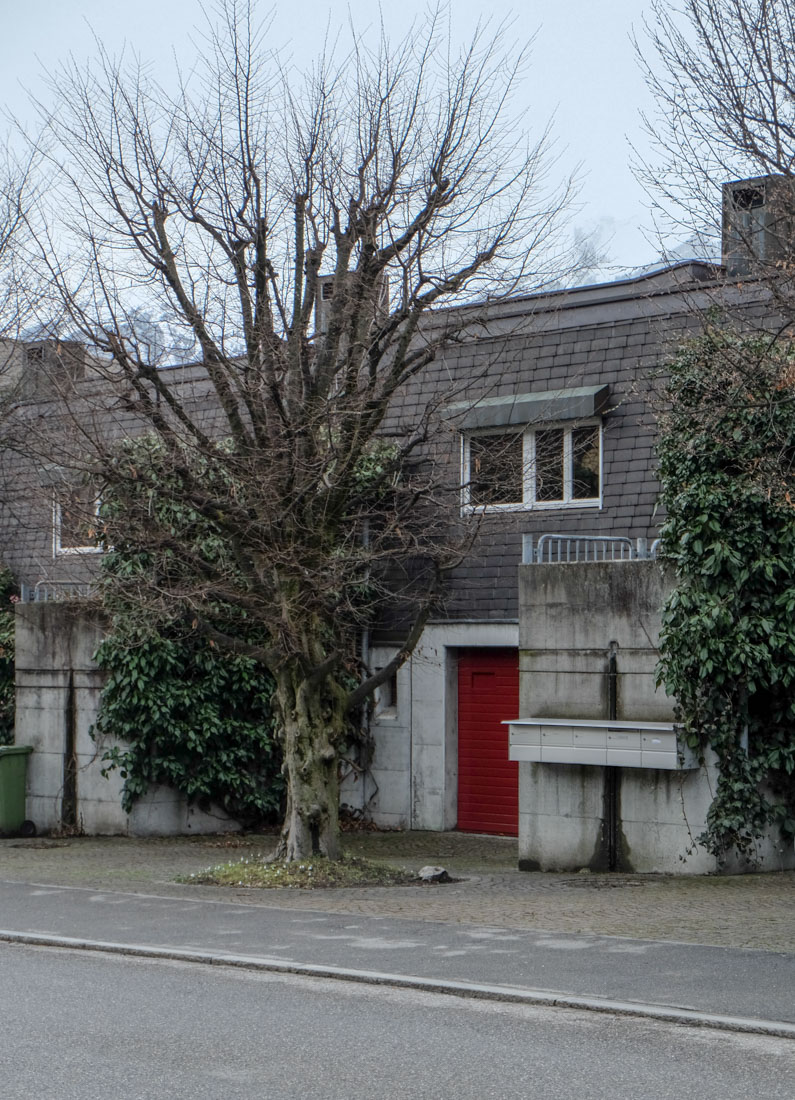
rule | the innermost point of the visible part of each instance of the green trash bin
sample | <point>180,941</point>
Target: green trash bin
<point>13,778</point>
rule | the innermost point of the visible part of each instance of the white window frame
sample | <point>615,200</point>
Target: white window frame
<point>58,550</point>
<point>386,698</point>
<point>529,502</point>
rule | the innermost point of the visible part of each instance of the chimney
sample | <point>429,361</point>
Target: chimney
<point>757,224</point>
<point>325,292</point>
<point>52,364</point>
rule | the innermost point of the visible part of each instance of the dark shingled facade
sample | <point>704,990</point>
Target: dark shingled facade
<point>616,335</point>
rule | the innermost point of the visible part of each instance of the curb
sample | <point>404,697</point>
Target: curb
<point>507,994</point>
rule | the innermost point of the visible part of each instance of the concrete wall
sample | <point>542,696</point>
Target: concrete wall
<point>58,688</point>
<point>569,616</point>
<point>412,781</point>
<point>414,772</point>
<point>384,791</point>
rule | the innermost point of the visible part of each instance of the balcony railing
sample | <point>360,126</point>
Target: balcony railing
<point>547,549</point>
<point>50,591</point>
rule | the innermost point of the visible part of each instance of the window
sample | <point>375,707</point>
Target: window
<point>75,521</point>
<point>540,467</point>
<point>495,469</point>
<point>388,695</point>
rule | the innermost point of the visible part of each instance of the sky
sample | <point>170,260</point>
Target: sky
<point>582,76</point>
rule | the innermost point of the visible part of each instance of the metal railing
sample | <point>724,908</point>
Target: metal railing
<point>551,548</point>
<point>51,591</point>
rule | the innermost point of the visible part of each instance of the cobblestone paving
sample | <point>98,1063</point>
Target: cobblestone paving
<point>752,911</point>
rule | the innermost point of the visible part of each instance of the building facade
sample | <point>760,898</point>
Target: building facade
<point>554,437</point>
<point>546,418</point>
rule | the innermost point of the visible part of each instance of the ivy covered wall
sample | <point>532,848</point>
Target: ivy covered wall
<point>7,699</point>
<point>185,714</point>
<point>727,451</point>
<point>191,718</point>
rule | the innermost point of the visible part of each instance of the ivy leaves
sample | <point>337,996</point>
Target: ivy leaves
<point>727,454</point>
<point>191,718</point>
<point>178,710</point>
<point>7,697</point>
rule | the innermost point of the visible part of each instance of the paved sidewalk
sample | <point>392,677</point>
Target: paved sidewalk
<point>608,972</point>
<point>750,911</point>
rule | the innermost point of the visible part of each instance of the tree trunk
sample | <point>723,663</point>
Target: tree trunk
<point>312,724</point>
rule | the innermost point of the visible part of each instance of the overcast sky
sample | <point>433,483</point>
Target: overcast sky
<point>583,72</point>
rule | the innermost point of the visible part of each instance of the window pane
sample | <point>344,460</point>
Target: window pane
<point>78,519</point>
<point>549,464</point>
<point>585,463</point>
<point>495,469</point>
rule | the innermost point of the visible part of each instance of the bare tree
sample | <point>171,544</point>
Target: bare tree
<point>723,155</point>
<point>723,76</point>
<point>301,234</point>
<point>16,200</point>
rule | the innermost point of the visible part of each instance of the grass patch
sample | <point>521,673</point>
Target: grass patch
<point>312,874</point>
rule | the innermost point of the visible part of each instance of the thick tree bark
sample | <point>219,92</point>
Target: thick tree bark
<point>312,724</point>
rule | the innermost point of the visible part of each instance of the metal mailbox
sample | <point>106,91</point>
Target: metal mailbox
<point>600,742</point>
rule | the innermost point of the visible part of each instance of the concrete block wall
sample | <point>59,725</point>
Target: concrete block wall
<point>58,689</point>
<point>415,762</point>
<point>383,791</point>
<point>569,616</point>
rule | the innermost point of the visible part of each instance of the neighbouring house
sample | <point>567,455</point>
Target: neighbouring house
<point>556,443</point>
<point>550,428</point>
<point>555,438</point>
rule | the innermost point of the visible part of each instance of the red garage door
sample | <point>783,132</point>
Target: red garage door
<point>488,782</point>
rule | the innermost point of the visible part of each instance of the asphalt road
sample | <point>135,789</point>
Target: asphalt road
<point>708,979</point>
<point>84,1027</point>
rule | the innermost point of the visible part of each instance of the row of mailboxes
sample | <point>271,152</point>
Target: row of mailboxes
<point>620,744</point>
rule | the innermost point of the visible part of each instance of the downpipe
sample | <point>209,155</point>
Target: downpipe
<point>612,774</point>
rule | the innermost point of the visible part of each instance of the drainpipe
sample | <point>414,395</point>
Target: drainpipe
<point>365,659</point>
<point>365,640</point>
<point>69,814</point>
<point>612,774</point>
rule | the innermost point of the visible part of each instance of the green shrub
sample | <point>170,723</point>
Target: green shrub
<point>192,718</point>
<point>186,714</point>
<point>728,640</point>
<point>7,696</point>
